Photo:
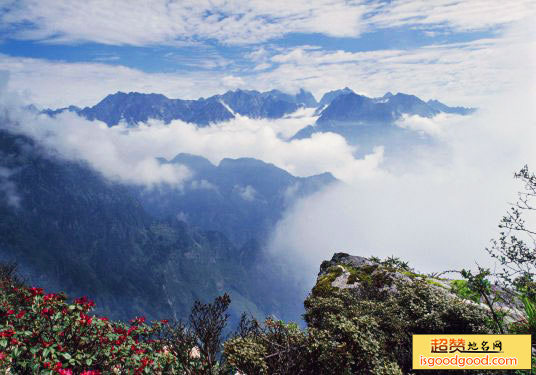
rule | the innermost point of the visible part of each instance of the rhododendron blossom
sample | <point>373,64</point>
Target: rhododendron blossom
<point>44,334</point>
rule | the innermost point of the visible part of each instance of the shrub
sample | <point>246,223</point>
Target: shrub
<point>44,334</point>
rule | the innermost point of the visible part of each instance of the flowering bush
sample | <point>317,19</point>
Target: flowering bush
<point>44,334</point>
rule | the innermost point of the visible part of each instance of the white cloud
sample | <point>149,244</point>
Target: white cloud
<point>247,193</point>
<point>202,185</point>
<point>142,22</point>
<point>433,126</point>
<point>233,82</point>
<point>458,73</point>
<point>262,66</point>
<point>8,188</point>
<point>459,15</point>
<point>438,212</point>
<point>461,73</point>
<point>107,150</point>
<point>57,84</point>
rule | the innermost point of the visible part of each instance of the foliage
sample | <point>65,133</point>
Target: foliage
<point>8,273</point>
<point>479,284</point>
<point>515,247</point>
<point>462,289</point>
<point>44,334</point>
<point>365,330</point>
<point>527,324</point>
<point>395,263</point>
<point>515,251</point>
<point>207,322</point>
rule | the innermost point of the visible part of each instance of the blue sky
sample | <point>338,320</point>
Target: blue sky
<point>73,52</point>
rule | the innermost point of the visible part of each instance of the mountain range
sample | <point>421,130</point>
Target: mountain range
<point>334,106</point>
<point>135,107</point>
<point>363,121</point>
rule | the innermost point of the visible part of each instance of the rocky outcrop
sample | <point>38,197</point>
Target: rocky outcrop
<point>372,277</point>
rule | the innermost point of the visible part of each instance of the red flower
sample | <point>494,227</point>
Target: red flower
<point>47,365</point>
<point>84,301</point>
<point>49,297</point>
<point>85,319</point>
<point>21,314</point>
<point>65,371</point>
<point>36,291</point>
<point>91,372</point>
<point>81,300</point>
<point>47,312</point>
<point>7,333</point>
<point>164,321</point>
<point>10,312</point>
<point>138,320</point>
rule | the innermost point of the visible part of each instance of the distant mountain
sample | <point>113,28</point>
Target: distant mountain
<point>369,122</point>
<point>328,97</point>
<point>242,198</point>
<point>446,109</point>
<point>70,229</point>
<point>134,107</point>
<point>355,108</point>
<point>306,99</point>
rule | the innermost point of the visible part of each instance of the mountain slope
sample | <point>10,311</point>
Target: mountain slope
<point>72,230</point>
<point>242,198</point>
<point>328,97</point>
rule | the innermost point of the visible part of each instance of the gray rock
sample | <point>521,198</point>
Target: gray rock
<point>344,258</point>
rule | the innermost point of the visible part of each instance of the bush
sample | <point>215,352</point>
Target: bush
<point>364,329</point>
<point>44,334</point>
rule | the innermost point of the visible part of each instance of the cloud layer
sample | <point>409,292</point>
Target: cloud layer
<point>178,22</point>
<point>123,22</point>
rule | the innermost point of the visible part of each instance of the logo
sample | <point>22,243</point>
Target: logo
<point>463,352</point>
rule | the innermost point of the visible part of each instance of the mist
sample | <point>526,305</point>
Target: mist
<point>437,210</point>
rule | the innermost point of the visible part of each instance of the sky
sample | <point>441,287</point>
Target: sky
<point>71,52</point>
<point>438,208</point>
